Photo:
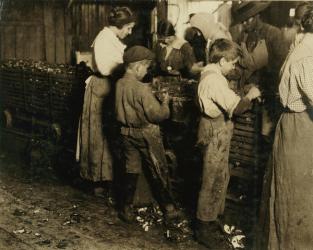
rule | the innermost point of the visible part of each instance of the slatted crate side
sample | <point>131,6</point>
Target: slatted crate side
<point>244,144</point>
<point>63,89</point>
<point>37,91</point>
<point>250,121</point>
<point>64,76</point>
<point>14,72</point>
<point>31,125</point>
<point>12,86</point>
<point>13,77</point>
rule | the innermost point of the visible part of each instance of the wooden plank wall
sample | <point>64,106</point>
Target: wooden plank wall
<point>21,31</point>
<point>54,30</point>
<point>38,30</point>
<point>88,19</point>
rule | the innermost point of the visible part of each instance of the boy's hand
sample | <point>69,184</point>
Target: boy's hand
<point>200,64</point>
<point>253,93</point>
<point>247,87</point>
<point>166,97</point>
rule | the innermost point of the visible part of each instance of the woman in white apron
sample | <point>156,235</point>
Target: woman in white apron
<point>93,151</point>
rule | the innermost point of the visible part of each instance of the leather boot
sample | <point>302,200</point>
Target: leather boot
<point>166,202</point>
<point>127,212</point>
<point>210,235</point>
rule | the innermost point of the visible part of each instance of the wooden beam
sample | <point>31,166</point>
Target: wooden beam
<point>49,32</point>
<point>9,39</point>
<point>68,36</point>
<point>162,10</point>
<point>60,35</point>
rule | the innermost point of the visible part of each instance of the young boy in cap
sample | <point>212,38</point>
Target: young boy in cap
<point>139,113</point>
<point>217,104</point>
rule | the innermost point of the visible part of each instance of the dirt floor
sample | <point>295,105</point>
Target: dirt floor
<point>38,211</point>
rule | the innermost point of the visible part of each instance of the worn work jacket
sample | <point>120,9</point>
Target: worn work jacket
<point>136,106</point>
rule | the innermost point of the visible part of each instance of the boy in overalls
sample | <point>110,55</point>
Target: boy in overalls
<point>217,104</point>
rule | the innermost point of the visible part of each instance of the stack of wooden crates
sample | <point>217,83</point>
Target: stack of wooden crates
<point>246,172</point>
<point>38,95</point>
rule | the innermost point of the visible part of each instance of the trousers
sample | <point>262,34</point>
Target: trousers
<point>215,173</point>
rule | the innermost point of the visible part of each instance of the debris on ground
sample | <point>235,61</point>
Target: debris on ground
<point>236,241</point>
<point>62,244</point>
<point>149,216</point>
<point>44,242</point>
<point>19,231</point>
<point>234,236</point>
<point>36,211</point>
<point>178,231</point>
<point>175,230</point>
<point>19,212</point>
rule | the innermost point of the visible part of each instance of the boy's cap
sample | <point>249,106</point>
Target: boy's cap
<point>137,53</point>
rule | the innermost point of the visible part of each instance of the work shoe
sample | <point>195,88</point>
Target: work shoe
<point>209,235</point>
<point>127,214</point>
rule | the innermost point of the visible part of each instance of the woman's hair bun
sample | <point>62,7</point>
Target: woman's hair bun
<point>119,16</point>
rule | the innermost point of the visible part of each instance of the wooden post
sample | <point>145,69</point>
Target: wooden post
<point>49,29</point>
<point>162,9</point>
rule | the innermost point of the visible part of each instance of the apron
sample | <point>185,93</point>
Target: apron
<point>92,149</point>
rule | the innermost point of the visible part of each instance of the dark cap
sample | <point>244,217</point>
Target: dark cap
<point>243,11</point>
<point>137,53</point>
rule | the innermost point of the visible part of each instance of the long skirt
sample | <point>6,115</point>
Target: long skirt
<point>92,146</point>
<point>291,201</point>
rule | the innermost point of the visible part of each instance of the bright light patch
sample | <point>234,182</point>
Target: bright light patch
<point>292,12</point>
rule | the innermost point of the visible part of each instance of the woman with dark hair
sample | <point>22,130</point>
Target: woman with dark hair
<point>92,146</point>
<point>293,32</point>
<point>175,55</point>
<point>197,42</point>
<point>291,200</point>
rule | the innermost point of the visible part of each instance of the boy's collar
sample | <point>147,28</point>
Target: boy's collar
<point>131,75</point>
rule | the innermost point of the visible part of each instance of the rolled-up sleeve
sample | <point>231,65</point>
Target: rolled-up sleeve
<point>225,98</point>
<point>215,97</point>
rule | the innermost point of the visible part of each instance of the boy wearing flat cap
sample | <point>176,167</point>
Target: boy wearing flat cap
<point>217,103</point>
<point>139,113</point>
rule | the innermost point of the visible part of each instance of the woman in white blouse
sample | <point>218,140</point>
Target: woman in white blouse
<point>93,150</point>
